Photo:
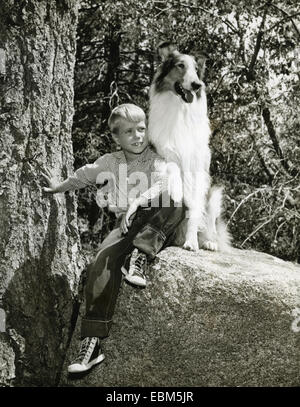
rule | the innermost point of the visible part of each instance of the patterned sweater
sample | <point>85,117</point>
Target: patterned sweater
<point>119,182</point>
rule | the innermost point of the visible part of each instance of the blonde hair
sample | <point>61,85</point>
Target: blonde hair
<point>127,111</point>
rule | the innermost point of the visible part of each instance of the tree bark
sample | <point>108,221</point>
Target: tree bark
<point>39,241</point>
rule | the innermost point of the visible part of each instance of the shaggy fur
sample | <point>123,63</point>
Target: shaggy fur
<point>179,130</point>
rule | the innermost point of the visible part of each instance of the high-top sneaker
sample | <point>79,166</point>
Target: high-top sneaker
<point>88,356</point>
<point>137,269</point>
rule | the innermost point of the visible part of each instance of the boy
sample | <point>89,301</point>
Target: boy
<point>147,219</point>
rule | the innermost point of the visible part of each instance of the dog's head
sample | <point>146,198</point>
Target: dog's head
<point>180,73</point>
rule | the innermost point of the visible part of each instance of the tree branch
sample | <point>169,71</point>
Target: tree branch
<point>261,159</point>
<point>228,23</point>
<point>250,73</point>
<point>91,8</point>
<point>290,17</point>
<point>162,11</point>
<point>272,133</point>
<point>241,37</point>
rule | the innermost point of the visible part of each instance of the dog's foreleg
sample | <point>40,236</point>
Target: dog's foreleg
<point>209,239</point>
<point>175,187</point>
<point>195,186</point>
<point>191,239</point>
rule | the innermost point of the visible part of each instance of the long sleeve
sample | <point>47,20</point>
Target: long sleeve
<point>84,176</point>
<point>159,180</point>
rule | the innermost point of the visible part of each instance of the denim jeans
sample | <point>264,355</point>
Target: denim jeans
<point>152,229</point>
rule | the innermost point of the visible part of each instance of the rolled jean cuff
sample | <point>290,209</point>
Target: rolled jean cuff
<point>149,240</point>
<point>94,327</point>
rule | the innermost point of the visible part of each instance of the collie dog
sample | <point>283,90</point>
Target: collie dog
<point>179,130</point>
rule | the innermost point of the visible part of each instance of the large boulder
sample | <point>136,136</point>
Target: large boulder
<point>204,319</point>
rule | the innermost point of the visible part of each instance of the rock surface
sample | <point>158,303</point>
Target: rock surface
<point>205,319</point>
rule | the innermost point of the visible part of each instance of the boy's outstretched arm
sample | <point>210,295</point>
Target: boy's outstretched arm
<point>82,177</point>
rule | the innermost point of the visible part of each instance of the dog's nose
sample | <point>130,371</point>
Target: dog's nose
<point>196,85</point>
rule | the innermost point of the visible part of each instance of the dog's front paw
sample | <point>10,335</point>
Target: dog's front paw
<point>210,245</point>
<point>191,245</point>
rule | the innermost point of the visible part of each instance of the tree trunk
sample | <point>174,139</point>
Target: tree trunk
<point>39,242</point>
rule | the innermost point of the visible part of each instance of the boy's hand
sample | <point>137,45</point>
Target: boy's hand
<point>128,216</point>
<point>52,182</point>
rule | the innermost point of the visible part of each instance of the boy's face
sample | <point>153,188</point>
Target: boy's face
<point>132,136</point>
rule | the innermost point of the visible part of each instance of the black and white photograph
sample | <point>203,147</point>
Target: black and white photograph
<point>149,196</point>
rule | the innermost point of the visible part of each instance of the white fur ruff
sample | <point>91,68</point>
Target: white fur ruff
<point>180,131</point>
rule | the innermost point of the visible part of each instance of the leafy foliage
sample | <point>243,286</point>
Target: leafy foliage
<point>253,86</point>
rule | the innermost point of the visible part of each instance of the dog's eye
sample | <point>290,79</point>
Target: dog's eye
<point>180,65</point>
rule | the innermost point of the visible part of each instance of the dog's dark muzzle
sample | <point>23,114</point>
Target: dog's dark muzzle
<point>187,95</point>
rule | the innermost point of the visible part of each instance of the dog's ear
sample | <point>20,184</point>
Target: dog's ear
<point>165,49</point>
<point>201,61</point>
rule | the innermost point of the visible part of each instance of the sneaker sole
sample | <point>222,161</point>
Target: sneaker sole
<point>78,368</point>
<point>139,282</point>
<point>136,281</point>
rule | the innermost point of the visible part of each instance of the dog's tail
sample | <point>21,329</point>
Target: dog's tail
<point>223,236</point>
<point>214,205</point>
